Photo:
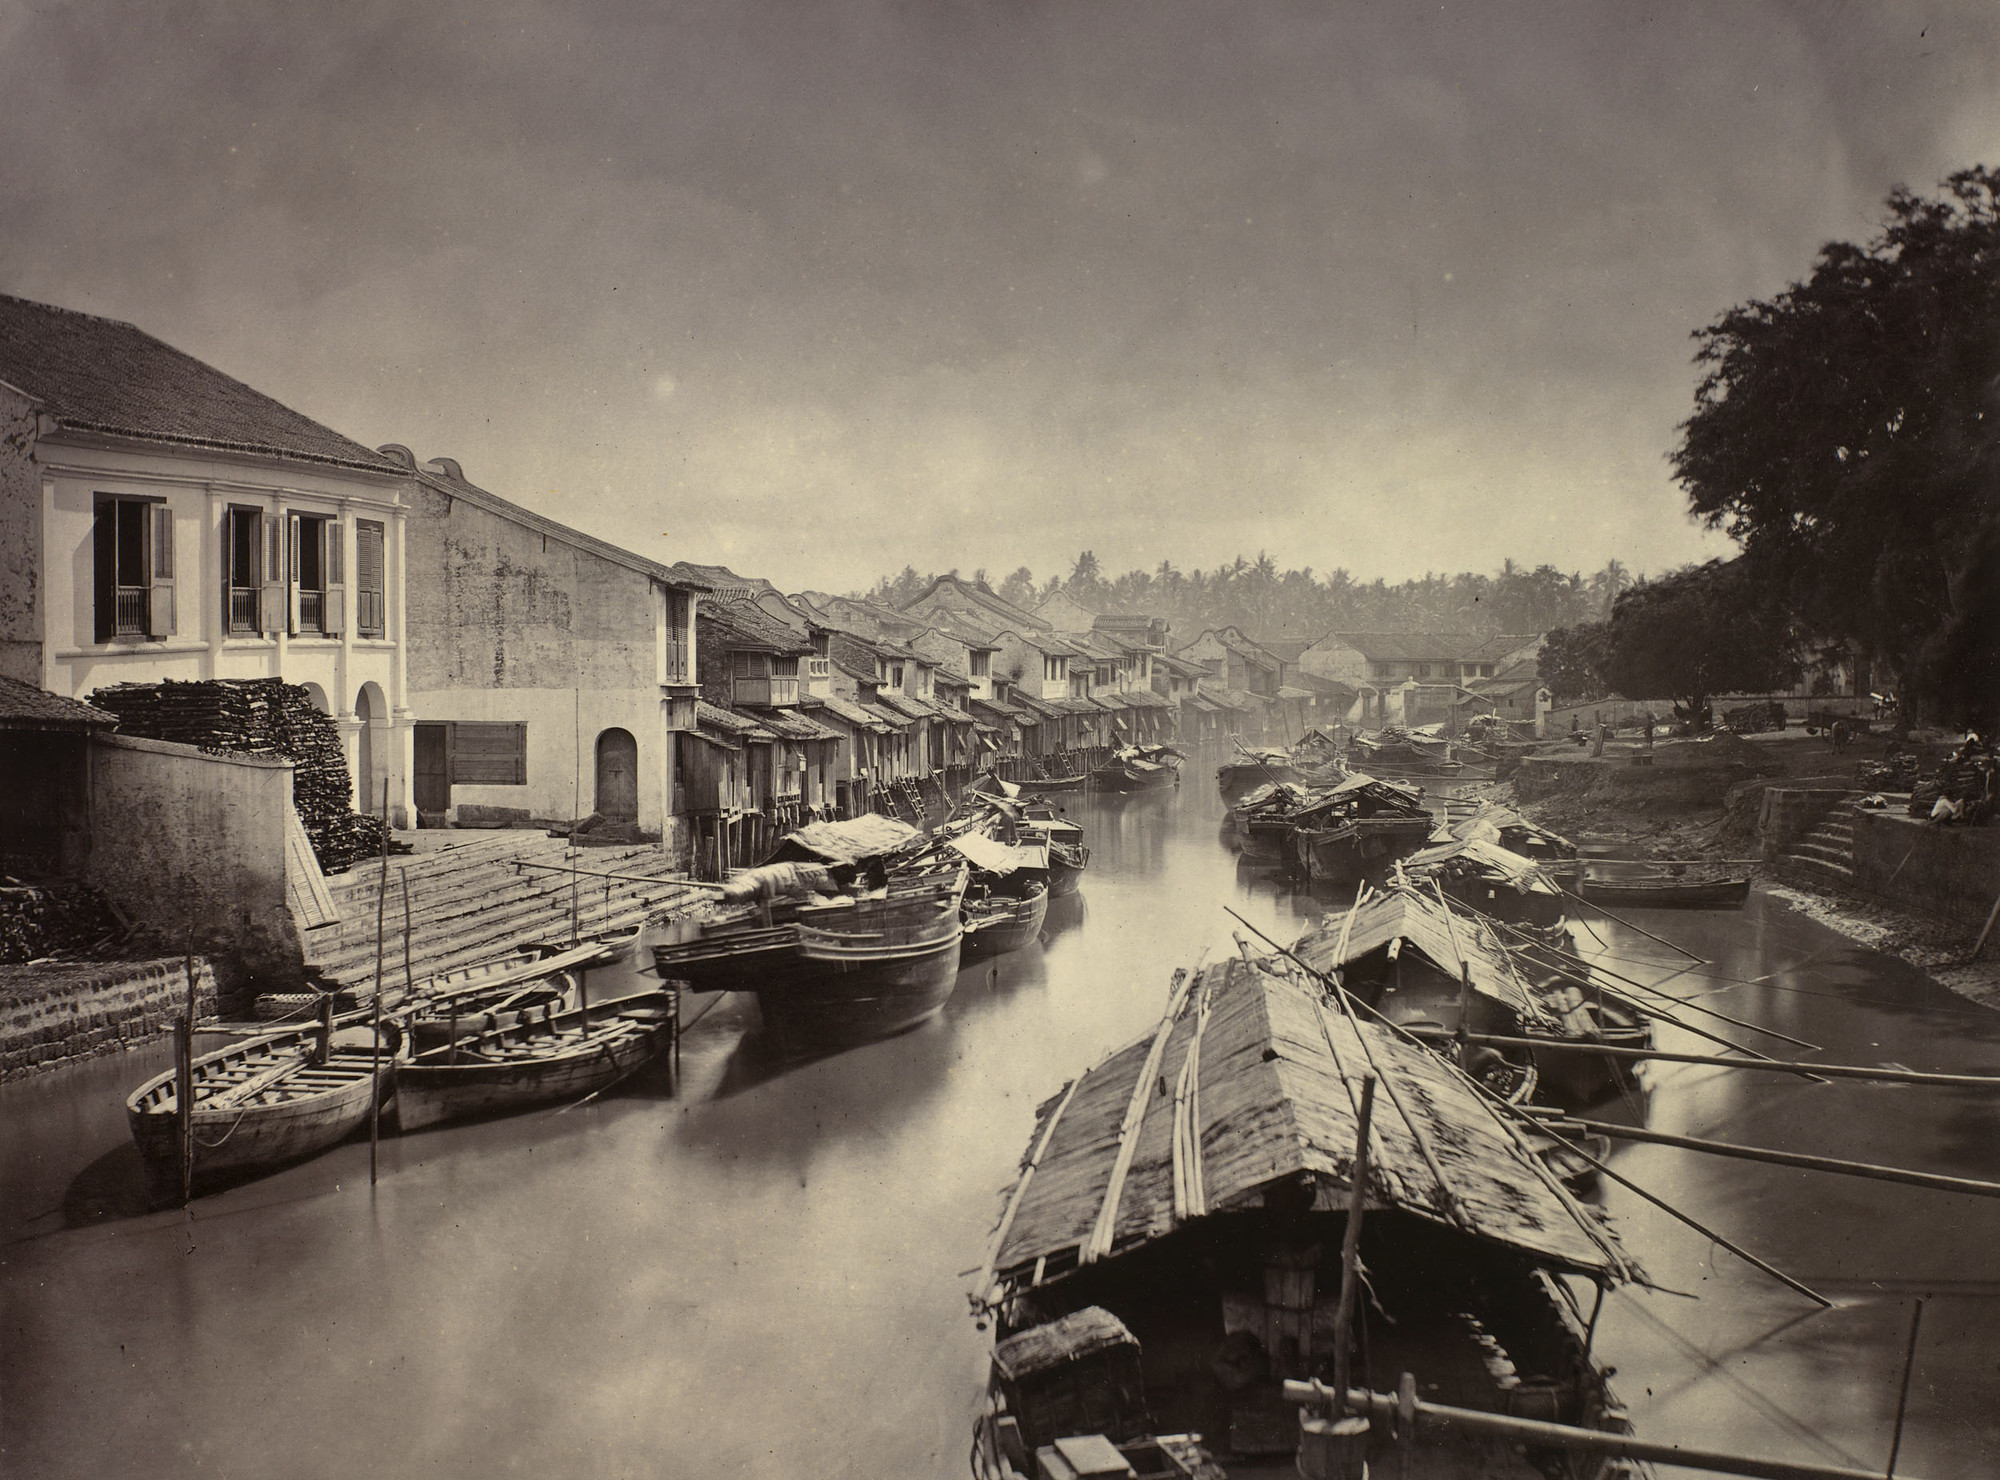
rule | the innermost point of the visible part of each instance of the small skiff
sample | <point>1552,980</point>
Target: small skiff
<point>539,1060</point>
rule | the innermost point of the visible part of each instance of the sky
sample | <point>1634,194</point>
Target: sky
<point>818,290</point>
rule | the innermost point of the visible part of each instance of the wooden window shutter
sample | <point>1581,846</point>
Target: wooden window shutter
<point>333,565</point>
<point>271,613</point>
<point>104,569</point>
<point>292,574</point>
<point>160,573</point>
<point>368,578</point>
<point>484,753</point>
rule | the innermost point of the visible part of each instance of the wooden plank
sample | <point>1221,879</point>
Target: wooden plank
<point>306,893</point>
<point>1021,1190</point>
<point>1099,1243</point>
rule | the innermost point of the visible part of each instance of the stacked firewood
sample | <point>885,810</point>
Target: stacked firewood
<point>44,922</point>
<point>261,716</point>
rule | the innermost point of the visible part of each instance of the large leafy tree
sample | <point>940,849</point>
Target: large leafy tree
<point>1845,434</point>
<point>1697,632</point>
<point>1570,661</point>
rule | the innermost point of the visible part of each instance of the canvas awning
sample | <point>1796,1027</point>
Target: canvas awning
<point>869,836</point>
<point>995,856</point>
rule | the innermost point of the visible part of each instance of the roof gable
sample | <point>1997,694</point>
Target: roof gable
<point>101,375</point>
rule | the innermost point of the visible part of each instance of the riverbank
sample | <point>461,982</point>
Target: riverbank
<point>1938,950</point>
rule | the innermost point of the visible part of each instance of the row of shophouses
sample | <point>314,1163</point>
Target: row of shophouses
<point>487,665</point>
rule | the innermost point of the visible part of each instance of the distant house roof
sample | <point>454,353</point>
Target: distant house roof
<point>448,478</point>
<point>26,707</point>
<point>1325,688</point>
<point>1432,647</point>
<point>101,375</point>
<point>1234,641</point>
<point>733,622</point>
<point>790,724</point>
<point>1181,666</point>
<point>1287,648</point>
<point>955,591</point>
<point>720,578</point>
<point>727,725</point>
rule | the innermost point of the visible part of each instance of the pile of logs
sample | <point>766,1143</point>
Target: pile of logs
<point>260,716</point>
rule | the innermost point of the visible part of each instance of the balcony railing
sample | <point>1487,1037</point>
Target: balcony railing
<point>243,608</point>
<point>772,691</point>
<point>130,611</point>
<point>819,668</point>
<point>312,611</point>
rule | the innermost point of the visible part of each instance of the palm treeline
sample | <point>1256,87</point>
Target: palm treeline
<point>1269,603</point>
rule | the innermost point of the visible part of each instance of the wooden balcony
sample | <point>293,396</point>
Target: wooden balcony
<point>776,692</point>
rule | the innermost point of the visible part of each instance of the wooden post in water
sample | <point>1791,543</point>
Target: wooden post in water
<point>1903,1398</point>
<point>1464,1015</point>
<point>184,1076</point>
<point>375,1052</point>
<point>1350,1244</point>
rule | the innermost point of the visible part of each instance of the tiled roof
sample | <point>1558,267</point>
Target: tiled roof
<point>728,722</point>
<point>999,707</point>
<point>732,622</point>
<point>903,704</point>
<point>1287,691</point>
<point>852,713</point>
<point>952,591</point>
<point>1286,648</point>
<point>889,718</point>
<point>1146,699</point>
<point>26,707</point>
<point>101,375</point>
<point>793,724</point>
<point>1181,666</point>
<point>1035,707</point>
<point>953,714</point>
<point>722,578</point>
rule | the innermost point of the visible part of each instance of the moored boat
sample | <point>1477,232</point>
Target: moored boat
<point>1138,768</point>
<point>1665,891</point>
<point>1002,922</point>
<point>829,968</point>
<point>261,1104</point>
<point>1179,1250</point>
<point>534,1061</point>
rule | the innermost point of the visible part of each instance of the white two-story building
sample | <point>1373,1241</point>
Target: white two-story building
<point>160,520</point>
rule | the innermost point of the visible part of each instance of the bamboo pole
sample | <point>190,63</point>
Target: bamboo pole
<point>1350,1240</point>
<point>1592,904</point>
<point>184,1075</point>
<point>1935,1181</point>
<point>1769,1066</point>
<point>678,883</point>
<point>1543,1435</point>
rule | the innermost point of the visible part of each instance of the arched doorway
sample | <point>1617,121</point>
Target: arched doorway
<point>617,776</point>
<point>316,696</point>
<point>371,709</point>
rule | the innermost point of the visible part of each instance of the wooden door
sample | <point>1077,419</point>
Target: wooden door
<point>618,776</point>
<point>433,778</point>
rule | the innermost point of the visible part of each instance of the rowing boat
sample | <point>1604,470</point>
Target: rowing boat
<point>535,1061</point>
<point>1667,892</point>
<point>260,1104</point>
<point>1001,923</point>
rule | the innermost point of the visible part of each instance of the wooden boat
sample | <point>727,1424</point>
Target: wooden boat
<point>618,944</point>
<point>1067,861</point>
<point>1427,970</point>
<point>1668,892</point>
<point>557,1057</point>
<point>1490,879</point>
<point>1172,1256</point>
<point>1138,768</point>
<point>1251,770</point>
<point>537,979</point>
<point>829,972</point>
<point>1358,848</point>
<point>1052,783</point>
<point>1002,922</point>
<point>261,1104</point>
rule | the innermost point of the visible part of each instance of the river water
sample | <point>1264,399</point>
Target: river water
<point>765,1274</point>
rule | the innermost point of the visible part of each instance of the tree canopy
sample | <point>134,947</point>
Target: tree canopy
<point>1695,633</point>
<point>1845,434</point>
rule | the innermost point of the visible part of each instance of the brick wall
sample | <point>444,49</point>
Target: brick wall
<point>51,1015</point>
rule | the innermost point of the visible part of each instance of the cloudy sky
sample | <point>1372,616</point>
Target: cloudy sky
<point>818,289</point>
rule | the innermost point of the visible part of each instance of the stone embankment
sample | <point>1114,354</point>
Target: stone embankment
<point>57,1013</point>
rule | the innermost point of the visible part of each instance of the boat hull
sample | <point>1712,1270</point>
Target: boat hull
<point>240,1141</point>
<point>1064,878</point>
<point>1714,894</point>
<point>631,1033</point>
<point>1007,931</point>
<point>836,1004</point>
<point>1120,778</point>
<point>1239,778</point>
<point>1357,851</point>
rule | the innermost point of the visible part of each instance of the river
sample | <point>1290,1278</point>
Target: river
<point>765,1274</point>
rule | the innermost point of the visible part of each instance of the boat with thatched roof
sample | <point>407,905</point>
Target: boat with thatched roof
<point>1176,1233</point>
<point>1429,969</point>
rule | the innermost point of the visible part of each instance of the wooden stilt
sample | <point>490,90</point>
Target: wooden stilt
<point>1350,1242</point>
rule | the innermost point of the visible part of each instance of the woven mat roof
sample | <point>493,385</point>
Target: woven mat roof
<point>1279,1076</point>
<point>846,842</point>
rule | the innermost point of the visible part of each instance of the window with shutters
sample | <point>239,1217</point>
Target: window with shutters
<point>371,606</point>
<point>243,562</point>
<point>133,562</point>
<point>484,753</point>
<point>314,562</point>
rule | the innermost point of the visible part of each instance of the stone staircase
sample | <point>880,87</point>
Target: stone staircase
<point>1824,857</point>
<point>473,901</point>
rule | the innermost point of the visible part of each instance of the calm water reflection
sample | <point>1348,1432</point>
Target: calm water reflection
<point>764,1276</point>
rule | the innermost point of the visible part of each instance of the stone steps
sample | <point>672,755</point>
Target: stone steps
<point>1825,855</point>
<point>470,903</point>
